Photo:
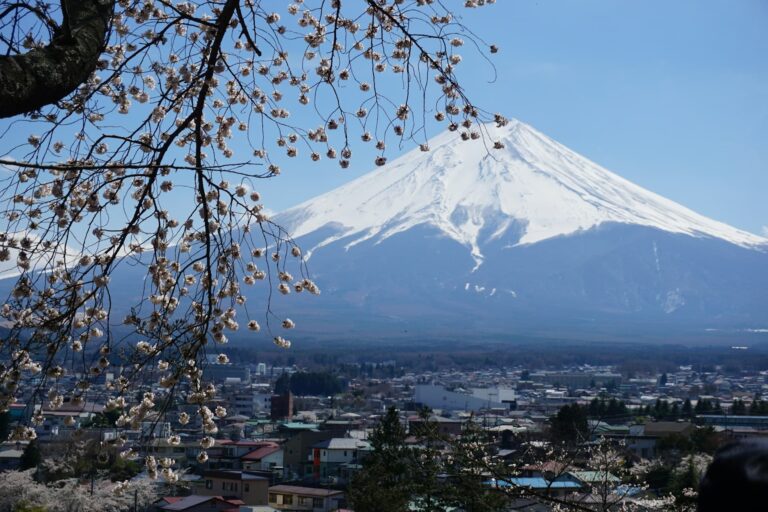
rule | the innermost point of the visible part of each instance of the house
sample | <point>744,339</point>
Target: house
<point>266,457</point>
<point>10,459</point>
<point>345,424</point>
<point>668,428</point>
<point>297,498</point>
<point>539,485</point>
<point>337,457</point>
<point>198,503</point>
<point>549,469</point>
<point>297,450</point>
<point>444,426</point>
<point>246,486</point>
<point>340,450</point>
<point>232,452</point>
<point>591,479</point>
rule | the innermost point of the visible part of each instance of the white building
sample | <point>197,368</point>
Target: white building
<point>437,397</point>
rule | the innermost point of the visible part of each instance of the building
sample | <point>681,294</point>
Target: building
<point>10,458</point>
<point>267,457</point>
<point>281,406</point>
<point>230,373</point>
<point>720,420</point>
<point>338,457</point>
<point>445,426</point>
<point>554,488</point>
<point>297,498</point>
<point>297,450</point>
<point>438,397</point>
<point>198,503</point>
<point>584,380</point>
<point>246,486</point>
<point>668,428</point>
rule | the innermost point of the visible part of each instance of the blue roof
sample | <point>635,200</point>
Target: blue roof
<point>535,482</point>
<point>628,490</point>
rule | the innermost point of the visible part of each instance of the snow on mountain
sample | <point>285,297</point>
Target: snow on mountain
<point>469,192</point>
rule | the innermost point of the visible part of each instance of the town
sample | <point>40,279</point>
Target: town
<point>301,436</point>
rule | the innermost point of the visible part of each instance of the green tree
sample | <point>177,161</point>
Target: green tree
<point>430,491</point>
<point>31,456</point>
<point>467,472</point>
<point>283,384</point>
<point>5,425</point>
<point>739,408</point>
<point>385,481</point>
<point>569,425</point>
<point>687,408</point>
<point>706,440</point>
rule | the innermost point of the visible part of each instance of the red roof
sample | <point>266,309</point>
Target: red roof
<point>178,503</point>
<point>264,450</point>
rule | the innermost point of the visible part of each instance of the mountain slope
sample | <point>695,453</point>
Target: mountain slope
<point>533,237</point>
<point>473,195</point>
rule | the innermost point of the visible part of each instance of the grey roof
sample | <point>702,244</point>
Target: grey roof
<point>304,491</point>
<point>343,443</point>
<point>231,474</point>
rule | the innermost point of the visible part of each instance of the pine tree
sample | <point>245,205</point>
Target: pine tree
<point>31,456</point>
<point>687,408</point>
<point>467,472</point>
<point>385,481</point>
<point>5,425</point>
<point>570,424</point>
<point>430,491</point>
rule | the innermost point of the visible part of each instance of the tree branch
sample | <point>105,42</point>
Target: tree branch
<point>46,75</point>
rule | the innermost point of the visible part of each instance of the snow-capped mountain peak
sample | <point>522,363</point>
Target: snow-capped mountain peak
<point>474,194</point>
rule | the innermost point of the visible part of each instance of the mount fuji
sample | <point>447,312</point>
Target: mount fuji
<point>533,238</point>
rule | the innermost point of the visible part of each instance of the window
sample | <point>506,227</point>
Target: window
<point>287,499</point>
<point>223,486</point>
<point>317,502</point>
<point>345,453</point>
<point>209,484</point>
<point>272,497</point>
<point>246,488</point>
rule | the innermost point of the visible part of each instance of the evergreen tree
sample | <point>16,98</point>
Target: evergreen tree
<point>467,472</point>
<point>5,425</point>
<point>570,424</point>
<point>385,481</point>
<point>31,456</point>
<point>283,384</point>
<point>739,408</point>
<point>430,493</point>
<point>687,408</point>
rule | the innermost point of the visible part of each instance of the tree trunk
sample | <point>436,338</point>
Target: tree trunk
<point>46,75</point>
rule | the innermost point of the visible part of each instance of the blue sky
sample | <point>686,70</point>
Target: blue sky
<point>672,95</point>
